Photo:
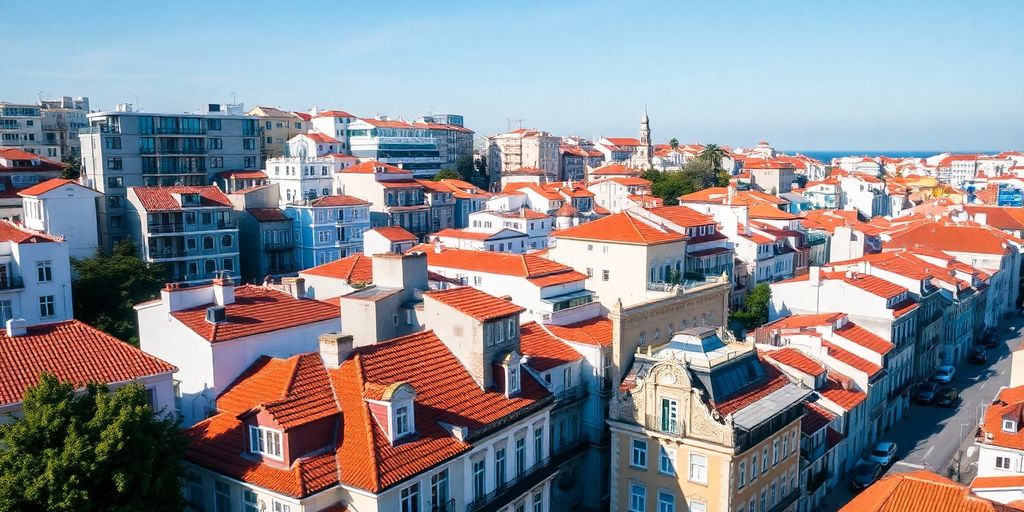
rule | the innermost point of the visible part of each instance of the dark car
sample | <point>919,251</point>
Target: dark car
<point>947,397</point>
<point>979,355</point>
<point>865,474</point>
<point>925,393</point>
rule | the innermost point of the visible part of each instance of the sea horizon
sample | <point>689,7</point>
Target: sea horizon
<point>826,156</point>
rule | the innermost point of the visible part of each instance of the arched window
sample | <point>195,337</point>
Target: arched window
<point>226,241</point>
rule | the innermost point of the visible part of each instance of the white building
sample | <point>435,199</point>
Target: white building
<point>508,153</point>
<point>213,333</point>
<point>502,240</point>
<point>65,209</point>
<point>21,127</point>
<point>536,225</point>
<point>35,276</point>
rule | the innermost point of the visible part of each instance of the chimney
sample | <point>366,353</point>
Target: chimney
<point>981,218</point>
<point>335,348</point>
<point>295,286</point>
<point>223,291</point>
<point>17,327</point>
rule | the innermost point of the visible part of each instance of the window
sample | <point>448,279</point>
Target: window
<point>208,242</point>
<point>785,446</point>
<point>226,241</point>
<point>499,467</point>
<point>520,456</point>
<point>538,502</point>
<point>638,458</point>
<point>229,264</point>
<point>250,503</point>
<point>741,475</point>
<point>115,181</point>
<point>44,271</point>
<point>114,163</point>
<point>753,467</point>
<point>590,272</point>
<point>605,275</point>
<point>6,311</point>
<point>1009,426</point>
<point>1003,462</point>
<point>410,498</point>
<point>46,306</point>
<point>538,444</point>
<point>669,415</point>
<point>249,144</point>
<point>222,496</point>
<point>698,468</point>
<point>265,441</point>
<point>112,142</point>
<point>752,506</point>
<point>195,491</point>
<point>402,421</point>
<point>207,218</point>
<point>281,507</point>
<point>666,502</point>
<point>637,497</point>
<point>667,461</point>
<point>764,500</point>
<point>775,452</point>
<point>479,479</point>
<point>439,490</point>
<point>216,162</point>
<point>513,379</point>
<point>764,460</point>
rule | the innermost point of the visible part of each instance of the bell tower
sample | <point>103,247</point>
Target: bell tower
<point>645,149</point>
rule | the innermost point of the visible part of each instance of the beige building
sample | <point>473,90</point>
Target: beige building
<point>507,153</point>
<point>276,128</point>
<point>699,423</point>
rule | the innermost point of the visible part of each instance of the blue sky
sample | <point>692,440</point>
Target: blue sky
<point>802,75</point>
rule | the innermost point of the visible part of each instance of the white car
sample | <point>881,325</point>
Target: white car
<point>884,453</point>
<point>944,374</point>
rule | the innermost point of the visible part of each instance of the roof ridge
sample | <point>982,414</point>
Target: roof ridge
<point>364,409</point>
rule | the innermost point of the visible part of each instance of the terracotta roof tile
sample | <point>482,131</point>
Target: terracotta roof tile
<point>624,227</point>
<point>10,232</point>
<point>815,418</point>
<point>851,359</point>
<point>354,269</point>
<point>371,166</point>
<point>475,303</point>
<point>1009,404</point>
<point>795,359</point>
<point>683,216</point>
<point>596,331</point>
<point>394,233</point>
<point>268,214</point>
<point>539,271</point>
<point>46,186</point>
<point>545,350</point>
<point>841,395</point>
<point>614,170</point>
<point>334,201</point>
<point>160,199</point>
<point>865,338</point>
<point>256,310</point>
<point>772,381</point>
<point>919,490</point>
<point>72,351</point>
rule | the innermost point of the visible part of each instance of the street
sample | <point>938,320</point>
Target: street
<point>929,437</point>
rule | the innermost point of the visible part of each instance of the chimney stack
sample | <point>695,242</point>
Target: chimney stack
<point>17,327</point>
<point>223,290</point>
<point>335,348</point>
<point>295,286</point>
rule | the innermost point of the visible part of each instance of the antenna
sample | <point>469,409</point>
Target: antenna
<point>510,120</point>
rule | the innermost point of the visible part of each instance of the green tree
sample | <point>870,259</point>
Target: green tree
<point>72,168</point>
<point>89,452</point>
<point>673,143</point>
<point>464,166</point>
<point>755,308</point>
<point>106,287</point>
<point>447,174</point>
<point>713,154</point>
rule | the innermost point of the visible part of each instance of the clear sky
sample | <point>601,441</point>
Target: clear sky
<point>808,75</point>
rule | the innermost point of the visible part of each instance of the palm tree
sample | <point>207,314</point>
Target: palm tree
<point>674,143</point>
<point>713,154</point>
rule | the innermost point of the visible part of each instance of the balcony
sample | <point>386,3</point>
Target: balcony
<point>157,253</point>
<point>522,483</point>
<point>604,386</point>
<point>277,246</point>
<point>816,481</point>
<point>11,283</point>
<point>227,223</point>
<point>672,427</point>
<point>813,454</point>
<point>157,229</point>
<point>172,151</point>
<point>570,396</point>
<point>177,130</point>
<point>787,501</point>
<point>685,284</point>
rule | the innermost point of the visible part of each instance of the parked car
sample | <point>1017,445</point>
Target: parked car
<point>988,339</point>
<point>979,355</point>
<point>884,453</point>
<point>947,397</point>
<point>865,474</point>
<point>944,374</point>
<point>925,393</point>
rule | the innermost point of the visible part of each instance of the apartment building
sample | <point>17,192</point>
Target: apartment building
<point>396,142</point>
<point>20,170</point>
<point>35,276</point>
<point>452,138</point>
<point>576,159</point>
<point>537,226</point>
<point>328,228</point>
<point>62,118</point>
<point>276,128</point>
<point>396,199</point>
<point>21,127</point>
<point>191,230</point>
<point>771,176</point>
<point>266,234</point>
<point>65,209</point>
<point>1000,441</point>
<point>124,148</point>
<point>508,153</point>
<point>468,198</point>
<point>734,445</point>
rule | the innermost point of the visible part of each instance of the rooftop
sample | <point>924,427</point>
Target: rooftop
<point>162,199</point>
<point>475,303</point>
<point>545,351</point>
<point>920,490</point>
<point>623,227</point>
<point>354,269</point>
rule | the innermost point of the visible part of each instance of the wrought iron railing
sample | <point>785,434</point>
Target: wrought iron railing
<point>664,425</point>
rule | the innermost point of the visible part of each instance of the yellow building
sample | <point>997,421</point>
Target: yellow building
<point>276,127</point>
<point>701,424</point>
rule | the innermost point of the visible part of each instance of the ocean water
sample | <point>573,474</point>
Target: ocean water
<point>827,156</point>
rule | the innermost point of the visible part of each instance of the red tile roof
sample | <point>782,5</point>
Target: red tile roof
<point>354,269</point>
<point>998,482</point>
<point>874,285</point>
<point>851,359</point>
<point>766,211</point>
<point>161,199</point>
<point>369,166</point>
<point>335,201</point>
<point>256,310</point>
<point>545,350</point>
<point>945,236</point>
<point>864,338</point>
<point>614,170</point>
<point>17,154</point>
<point>74,352</point>
<point>623,141</point>
<point>920,490</point>
<point>815,418</point>
<point>319,137</point>
<point>242,175</point>
<point>623,227</point>
<point>683,216</point>
<point>466,234</point>
<point>718,195</point>
<point>1009,404</point>
<point>334,113</point>
<point>268,214</point>
<point>796,359</point>
<point>596,331</point>
<point>841,395</point>
<point>394,233</point>
<point>802,321</point>
<point>772,381</point>
<point>11,232</point>
<point>539,271</point>
<point>46,186</point>
<point>475,303</point>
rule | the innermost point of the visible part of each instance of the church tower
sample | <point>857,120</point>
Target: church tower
<point>645,149</point>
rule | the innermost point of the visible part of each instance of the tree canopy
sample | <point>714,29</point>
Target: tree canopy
<point>673,143</point>
<point>464,167</point>
<point>106,287</point>
<point>72,168</point>
<point>713,154</point>
<point>755,308</point>
<point>92,451</point>
<point>447,174</point>
<point>695,175</point>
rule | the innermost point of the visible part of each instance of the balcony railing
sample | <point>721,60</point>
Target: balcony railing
<point>814,453</point>
<point>570,395</point>
<point>166,252</point>
<point>11,283</point>
<point>524,481</point>
<point>816,481</point>
<point>277,246</point>
<point>664,425</point>
<point>166,228</point>
<point>226,223</point>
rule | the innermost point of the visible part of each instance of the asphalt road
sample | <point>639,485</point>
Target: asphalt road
<point>929,437</point>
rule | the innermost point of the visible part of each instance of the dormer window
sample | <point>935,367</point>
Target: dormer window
<point>265,441</point>
<point>1009,426</point>
<point>513,379</point>
<point>402,424</point>
<point>396,408</point>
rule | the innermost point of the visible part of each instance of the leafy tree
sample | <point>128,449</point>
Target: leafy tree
<point>106,287</point>
<point>713,154</point>
<point>673,143</point>
<point>695,175</point>
<point>481,165</point>
<point>72,168</point>
<point>755,308</point>
<point>447,174</point>
<point>801,180</point>
<point>464,166</point>
<point>90,452</point>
